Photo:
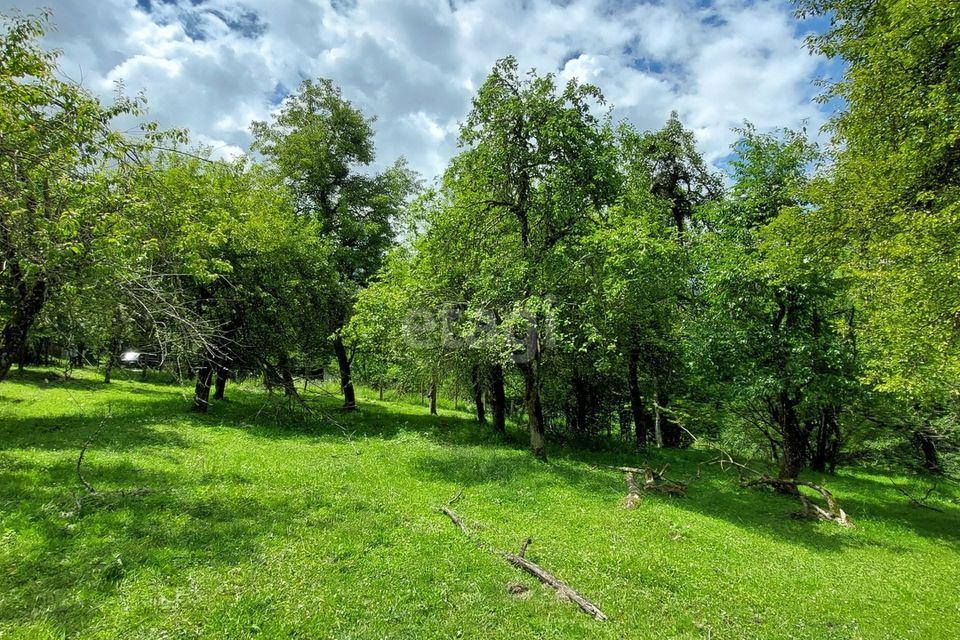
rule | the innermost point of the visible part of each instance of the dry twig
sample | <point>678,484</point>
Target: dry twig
<point>518,560</point>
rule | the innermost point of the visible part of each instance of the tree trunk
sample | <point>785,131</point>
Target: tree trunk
<point>346,381</point>
<point>283,366</point>
<point>14,335</point>
<point>531,382</point>
<point>477,384</point>
<point>433,397</point>
<point>794,438</point>
<point>928,448</point>
<point>827,445</point>
<point>642,420</point>
<point>221,383</point>
<point>668,432</point>
<point>498,402</point>
<point>22,361</point>
<point>201,393</point>
<point>580,408</point>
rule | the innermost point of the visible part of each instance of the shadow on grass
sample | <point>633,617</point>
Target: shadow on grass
<point>126,427</point>
<point>82,379</point>
<point>472,455</point>
<point>71,550</point>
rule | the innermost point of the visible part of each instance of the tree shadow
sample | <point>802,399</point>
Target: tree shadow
<point>83,378</point>
<point>471,455</point>
<point>127,427</point>
<point>719,494</point>
<point>138,521</point>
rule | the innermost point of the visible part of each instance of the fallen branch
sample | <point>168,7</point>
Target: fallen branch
<point>562,588</point>
<point>653,482</point>
<point>519,561</point>
<point>456,520</point>
<point>83,452</point>
<point>833,512</point>
<point>724,460</point>
<point>918,502</point>
<point>523,547</point>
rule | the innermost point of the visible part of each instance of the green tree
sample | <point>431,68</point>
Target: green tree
<point>320,143</point>
<point>64,175</point>
<point>536,170</point>
<point>229,251</point>
<point>641,280</point>
<point>678,173</point>
<point>775,320</point>
<point>890,211</point>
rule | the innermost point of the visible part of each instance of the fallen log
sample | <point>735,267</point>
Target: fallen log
<point>833,512</point>
<point>544,576</point>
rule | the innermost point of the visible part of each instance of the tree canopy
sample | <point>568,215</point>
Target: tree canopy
<point>566,272</point>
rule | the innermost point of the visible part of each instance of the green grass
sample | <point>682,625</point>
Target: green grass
<point>263,524</point>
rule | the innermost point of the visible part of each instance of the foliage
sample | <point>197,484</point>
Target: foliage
<point>64,174</point>
<point>777,322</point>
<point>889,210</point>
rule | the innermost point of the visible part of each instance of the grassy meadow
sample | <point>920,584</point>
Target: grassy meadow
<point>255,521</point>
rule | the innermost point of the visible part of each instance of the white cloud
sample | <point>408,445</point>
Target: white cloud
<point>212,66</point>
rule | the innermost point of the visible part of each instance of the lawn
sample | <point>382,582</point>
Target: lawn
<point>253,521</point>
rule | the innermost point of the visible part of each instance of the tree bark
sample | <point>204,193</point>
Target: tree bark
<point>658,427</point>
<point>827,445</point>
<point>201,393</point>
<point>498,402</point>
<point>794,443</point>
<point>531,381</point>
<point>14,335</point>
<point>221,383</point>
<point>477,385</point>
<point>433,396</point>
<point>642,420</point>
<point>346,380</point>
<point>283,366</point>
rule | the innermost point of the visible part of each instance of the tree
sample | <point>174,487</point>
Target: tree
<point>775,320</point>
<point>889,213</point>
<point>228,249</point>
<point>377,327</point>
<point>319,142</point>
<point>641,278</point>
<point>678,174</point>
<point>64,174</point>
<point>536,169</point>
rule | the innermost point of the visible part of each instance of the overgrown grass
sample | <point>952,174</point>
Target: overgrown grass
<point>260,522</point>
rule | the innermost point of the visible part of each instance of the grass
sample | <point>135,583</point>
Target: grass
<point>260,523</point>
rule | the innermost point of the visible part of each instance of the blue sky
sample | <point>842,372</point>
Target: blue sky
<point>214,65</point>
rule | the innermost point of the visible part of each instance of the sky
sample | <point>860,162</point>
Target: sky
<point>213,66</point>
